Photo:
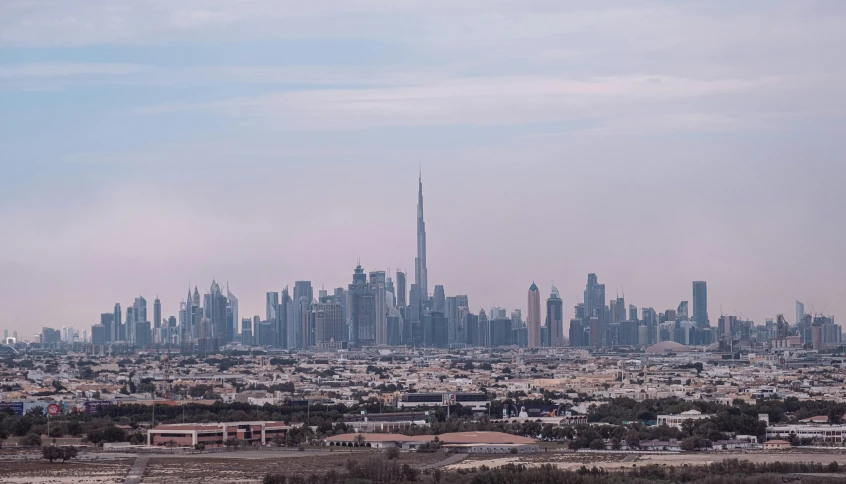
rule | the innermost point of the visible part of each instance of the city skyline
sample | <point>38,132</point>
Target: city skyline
<point>536,321</point>
<point>653,143</point>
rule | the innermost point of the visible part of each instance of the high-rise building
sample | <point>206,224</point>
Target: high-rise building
<point>420,271</point>
<point>271,306</point>
<point>497,312</point>
<point>555,318</point>
<point>727,326</point>
<point>517,320</point>
<point>380,306</point>
<point>143,334</point>
<point>284,320</point>
<point>484,331</point>
<point>594,307</point>
<point>233,303</point>
<point>362,310</point>
<point>402,292</point>
<point>501,333</point>
<point>462,304</point>
<point>632,312</point>
<point>415,304</point>
<point>451,313</point>
<point>395,324</point>
<point>303,297</point>
<point>533,318</point>
<point>471,328</point>
<point>700,304</point>
<point>106,321</point>
<point>438,299</point>
<point>139,314</point>
<point>682,312</point>
<point>800,312</point>
<point>328,324</point>
<point>619,313</point>
<point>157,313</point>
<point>139,309</point>
<point>118,333</point>
<point>650,320</point>
<point>215,310</point>
<point>247,332</point>
<point>594,298</point>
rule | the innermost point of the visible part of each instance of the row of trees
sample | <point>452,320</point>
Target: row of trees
<point>378,470</point>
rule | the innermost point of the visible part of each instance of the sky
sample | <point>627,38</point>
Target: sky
<point>149,145</point>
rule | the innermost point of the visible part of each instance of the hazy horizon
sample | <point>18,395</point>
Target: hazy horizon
<point>150,145</point>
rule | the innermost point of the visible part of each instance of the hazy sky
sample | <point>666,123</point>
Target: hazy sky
<point>146,144</point>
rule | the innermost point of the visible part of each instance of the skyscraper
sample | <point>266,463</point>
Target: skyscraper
<point>380,306</point>
<point>555,318</point>
<point>106,320</point>
<point>271,305</point>
<point>682,312</point>
<point>420,273</point>
<point>594,298</point>
<point>303,297</point>
<point>157,313</point>
<point>619,313</point>
<point>800,312</point>
<point>392,293</point>
<point>402,292</point>
<point>439,298</point>
<point>451,313</point>
<point>118,332</point>
<point>328,324</point>
<point>233,303</point>
<point>215,311</point>
<point>139,315</point>
<point>700,304</point>
<point>284,319</point>
<point>632,312</point>
<point>362,310</point>
<point>533,317</point>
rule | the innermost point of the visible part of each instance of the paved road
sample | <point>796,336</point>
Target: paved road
<point>137,470</point>
<point>453,459</point>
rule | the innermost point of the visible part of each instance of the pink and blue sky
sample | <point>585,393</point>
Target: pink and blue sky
<point>146,144</point>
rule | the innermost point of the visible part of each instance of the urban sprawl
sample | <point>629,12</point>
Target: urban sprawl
<point>382,364</point>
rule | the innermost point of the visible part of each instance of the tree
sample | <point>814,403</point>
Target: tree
<point>31,439</point>
<point>74,428</point>
<point>359,439</point>
<point>51,453</point>
<point>597,444</point>
<point>835,415</point>
<point>392,453</point>
<point>68,453</point>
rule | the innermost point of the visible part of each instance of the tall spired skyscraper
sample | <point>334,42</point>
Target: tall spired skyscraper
<point>420,277</point>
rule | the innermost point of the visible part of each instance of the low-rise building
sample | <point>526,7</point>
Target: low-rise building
<point>216,434</point>
<point>677,420</point>
<point>466,442</point>
<point>776,445</point>
<point>828,434</point>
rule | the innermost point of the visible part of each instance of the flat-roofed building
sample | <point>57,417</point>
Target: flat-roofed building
<point>830,434</point>
<point>216,434</point>
<point>678,420</point>
<point>465,442</point>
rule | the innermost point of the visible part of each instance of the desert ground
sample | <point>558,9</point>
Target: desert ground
<point>250,466</point>
<point>568,460</point>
